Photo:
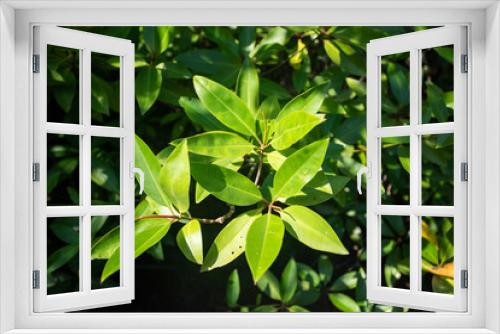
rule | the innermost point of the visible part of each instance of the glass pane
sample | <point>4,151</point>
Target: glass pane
<point>63,103</point>
<point>395,170</point>
<point>395,252</point>
<point>437,255</point>
<point>395,90</point>
<point>105,82</point>
<point>437,169</point>
<point>105,252</point>
<point>105,171</point>
<point>437,84</point>
<point>63,175</point>
<point>63,261</point>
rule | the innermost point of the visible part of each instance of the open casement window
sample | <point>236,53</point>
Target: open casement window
<point>73,128</point>
<point>417,170</point>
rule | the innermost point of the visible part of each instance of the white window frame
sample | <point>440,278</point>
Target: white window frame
<point>413,44</point>
<point>17,18</point>
<point>86,44</point>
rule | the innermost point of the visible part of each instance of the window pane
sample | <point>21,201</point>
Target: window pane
<point>105,171</point>
<point>395,251</point>
<point>437,255</point>
<point>395,90</point>
<point>63,104</point>
<point>105,252</point>
<point>437,169</point>
<point>395,170</point>
<point>105,82</point>
<point>63,175</point>
<point>437,84</point>
<point>63,240</point>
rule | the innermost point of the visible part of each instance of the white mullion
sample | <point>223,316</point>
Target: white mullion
<point>85,231</point>
<point>419,129</point>
<point>414,170</point>
<point>420,210</point>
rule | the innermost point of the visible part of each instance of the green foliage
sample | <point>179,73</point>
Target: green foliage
<point>240,125</point>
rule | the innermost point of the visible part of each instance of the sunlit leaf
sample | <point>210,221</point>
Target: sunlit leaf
<point>225,184</point>
<point>228,108</point>
<point>150,165</point>
<point>293,127</point>
<point>310,101</point>
<point>190,241</point>
<point>219,144</point>
<point>298,169</point>
<point>343,302</point>
<point>247,86</point>
<point>175,177</point>
<point>264,239</point>
<point>230,242</point>
<point>312,230</point>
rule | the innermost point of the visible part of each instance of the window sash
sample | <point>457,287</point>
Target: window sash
<point>86,43</point>
<point>413,43</point>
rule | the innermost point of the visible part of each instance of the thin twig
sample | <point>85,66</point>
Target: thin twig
<point>218,220</point>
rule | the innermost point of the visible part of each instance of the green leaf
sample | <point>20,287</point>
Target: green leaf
<point>175,177</point>
<point>332,51</point>
<point>247,40</point>
<point>312,230</point>
<point>298,169</point>
<point>216,64</point>
<point>228,108</point>
<point>148,232</point>
<point>310,101</point>
<point>157,39</point>
<point>288,281</point>
<point>347,281</point>
<point>399,82</point>
<point>248,86</point>
<point>219,144</point>
<point>343,302</point>
<point>176,71</point>
<point>60,257</point>
<point>325,269</point>
<point>270,88</point>
<point>293,127</point>
<point>269,285</point>
<point>269,108</point>
<point>147,87</point>
<point>150,165</point>
<point>275,159</point>
<point>230,242</point>
<point>297,308</point>
<point>264,239</point>
<point>233,289</point>
<point>100,95</point>
<point>320,189</point>
<point>190,241</point>
<point>225,184</point>
<point>199,115</point>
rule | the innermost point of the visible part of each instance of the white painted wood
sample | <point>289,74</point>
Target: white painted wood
<point>414,43</point>
<point>86,43</point>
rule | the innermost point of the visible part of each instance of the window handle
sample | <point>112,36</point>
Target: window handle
<point>135,170</point>
<point>363,170</point>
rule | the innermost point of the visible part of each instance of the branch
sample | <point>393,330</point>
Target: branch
<point>218,220</point>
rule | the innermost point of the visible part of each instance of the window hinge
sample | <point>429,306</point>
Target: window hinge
<point>464,279</point>
<point>465,65</point>
<point>36,172</point>
<point>36,63</point>
<point>464,171</point>
<point>36,279</point>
